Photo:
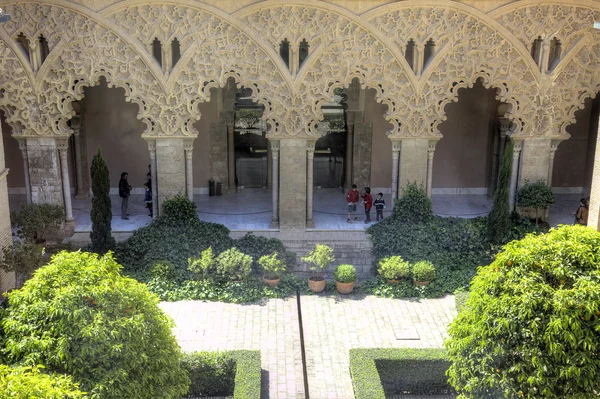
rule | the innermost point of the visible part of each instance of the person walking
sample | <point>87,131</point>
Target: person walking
<point>352,199</point>
<point>368,200</point>
<point>379,206</point>
<point>124,192</point>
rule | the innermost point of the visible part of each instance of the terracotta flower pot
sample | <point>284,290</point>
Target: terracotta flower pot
<point>392,282</point>
<point>271,283</point>
<point>420,283</point>
<point>316,285</point>
<point>344,288</point>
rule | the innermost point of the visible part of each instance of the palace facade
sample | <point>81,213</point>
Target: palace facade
<point>293,95</point>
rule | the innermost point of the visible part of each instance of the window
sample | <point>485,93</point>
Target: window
<point>157,51</point>
<point>536,50</point>
<point>302,52</point>
<point>175,51</point>
<point>284,52</point>
<point>44,49</point>
<point>409,54</point>
<point>555,54</point>
<point>23,44</point>
<point>429,53</point>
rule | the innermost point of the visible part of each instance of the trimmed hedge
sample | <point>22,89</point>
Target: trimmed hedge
<point>415,370</point>
<point>221,373</point>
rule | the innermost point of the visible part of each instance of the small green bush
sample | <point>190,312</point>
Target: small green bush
<point>535,195</point>
<point>233,265</point>
<point>179,210</point>
<point>30,383</point>
<point>33,220</point>
<point>345,274</point>
<point>318,260</point>
<point>377,372</point>
<point>423,271</point>
<point>530,325</point>
<point>79,316</point>
<point>204,267</point>
<point>164,270</point>
<point>414,206</point>
<point>211,373</point>
<point>272,266</point>
<point>394,268</point>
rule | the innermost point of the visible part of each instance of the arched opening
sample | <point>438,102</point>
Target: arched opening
<point>536,50</point>
<point>23,44</point>
<point>428,53</point>
<point>409,53</point>
<point>303,50</point>
<point>574,163</point>
<point>175,51</point>
<point>284,51</point>
<point>157,51</point>
<point>555,54</point>
<point>43,48</point>
<point>466,161</point>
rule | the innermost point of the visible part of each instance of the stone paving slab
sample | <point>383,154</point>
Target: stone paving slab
<point>271,327</point>
<point>334,325</point>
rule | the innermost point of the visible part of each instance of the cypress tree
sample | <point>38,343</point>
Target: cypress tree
<point>102,240</point>
<point>499,222</point>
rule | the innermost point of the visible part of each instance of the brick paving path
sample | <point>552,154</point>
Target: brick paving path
<point>332,325</point>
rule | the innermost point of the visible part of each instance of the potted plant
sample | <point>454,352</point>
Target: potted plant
<point>34,220</point>
<point>393,269</point>
<point>423,272</point>
<point>233,265</point>
<point>345,277</point>
<point>318,260</point>
<point>272,268</point>
<point>537,196</point>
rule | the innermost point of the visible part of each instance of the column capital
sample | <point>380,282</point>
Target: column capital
<point>188,146</point>
<point>22,144</point>
<point>505,125</point>
<point>431,148</point>
<point>396,146</point>
<point>517,145</point>
<point>230,125</point>
<point>76,124</point>
<point>275,147</point>
<point>62,145</point>
<point>310,147</point>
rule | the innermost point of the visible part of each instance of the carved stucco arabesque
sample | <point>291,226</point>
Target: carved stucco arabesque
<point>216,46</point>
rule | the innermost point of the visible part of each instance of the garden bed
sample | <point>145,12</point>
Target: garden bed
<point>380,373</point>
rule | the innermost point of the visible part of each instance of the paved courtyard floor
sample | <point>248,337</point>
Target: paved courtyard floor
<point>332,325</point>
<point>251,210</point>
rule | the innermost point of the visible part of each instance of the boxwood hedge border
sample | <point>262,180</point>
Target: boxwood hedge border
<point>247,374</point>
<point>365,376</point>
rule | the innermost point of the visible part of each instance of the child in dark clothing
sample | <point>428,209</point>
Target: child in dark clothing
<point>379,206</point>
<point>148,198</point>
<point>368,199</point>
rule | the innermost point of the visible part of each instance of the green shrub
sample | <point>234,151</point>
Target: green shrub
<point>204,267</point>
<point>23,258</point>
<point>79,316</point>
<point>101,214</point>
<point>234,265</point>
<point>414,206</point>
<point>272,266</point>
<point>248,374</point>
<point>179,210</point>
<point>345,274</point>
<point>30,383</point>
<point>535,195</point>
<point>164,270</point>
<point>318,260</point>
<point>498,221</point>
<point>530,324</point>
<point>423,271</point>
<point>211,373</point>
<point>34,220</point>
<point>394,268</point>
<point>377,372</point>
<point>258,246</point>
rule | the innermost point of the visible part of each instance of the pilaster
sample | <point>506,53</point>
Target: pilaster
<point>170,168</point>
<point>292,190</point>
<point>396,146</point>
<point>413,163</point>
<point>153,176</point>
<point>274,144</point>
<point>44,171</point>
<point>63,151</point>
<point>6,279</point>
<point>430,153</point>
<point>310,159</point>
<point>594,210</point>
<point>23,148</point>
<point>188,147</point>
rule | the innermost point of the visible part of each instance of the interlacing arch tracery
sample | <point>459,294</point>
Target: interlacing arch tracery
<point>216,46</point>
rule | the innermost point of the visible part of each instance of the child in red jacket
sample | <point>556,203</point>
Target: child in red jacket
<point>352,199</point>
<point>368,199</point>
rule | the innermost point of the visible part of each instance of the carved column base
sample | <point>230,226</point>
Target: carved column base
<point>310,224</point>
<point>70,227</point>
<point>82,195</point>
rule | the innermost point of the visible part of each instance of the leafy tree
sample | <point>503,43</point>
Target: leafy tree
<point>498,221</point>
<point>22,258</point>
<point>34,220</point>
<point>535,195</point>
<point>101,215</point>
<point>414,206</point>
<point>29,382</point>
<point>319,260</point>
<point>530,327</point>
<point>79,316</point>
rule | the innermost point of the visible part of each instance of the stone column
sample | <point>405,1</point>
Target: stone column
<point>152,150</point>
<point>349,150</point>
<point>7,280</point>
<point>310,152</point>
<point>269,167</point>
<point>292,190</point>
<point>63,148</point>
<point>430,152</point>
<point>396,146</point>
<point>594,211</point>
<point>275,182</point>
<point>413,163</point>
<point>553,148</point>
<point>518,146</point>
<point>230,155</point>
<point>76,125</point>
<point>23,148</point>
<point>188,147</point>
